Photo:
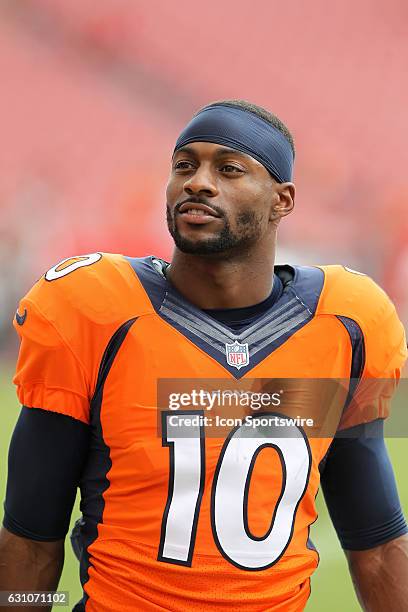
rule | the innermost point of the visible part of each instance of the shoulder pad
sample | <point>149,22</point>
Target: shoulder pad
<point>68,318</point>
<point>101,288</point>
<point>354,295</point>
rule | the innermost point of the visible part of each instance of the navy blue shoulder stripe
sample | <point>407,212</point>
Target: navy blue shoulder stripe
<point>94,481</point>
<point>358,354</point>
<point>108,358</point>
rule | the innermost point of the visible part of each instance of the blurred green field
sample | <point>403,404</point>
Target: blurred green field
<point>331,585</point>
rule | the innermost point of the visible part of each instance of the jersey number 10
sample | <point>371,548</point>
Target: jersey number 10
<point>230,489</point>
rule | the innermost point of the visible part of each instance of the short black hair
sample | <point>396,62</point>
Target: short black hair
<point>260,112</point>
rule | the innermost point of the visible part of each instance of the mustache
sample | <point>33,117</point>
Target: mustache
<point>199,200</point>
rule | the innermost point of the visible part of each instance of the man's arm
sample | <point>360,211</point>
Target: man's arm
<point>380,576</point>
<point>46,458</point>
<point>361,495</point>
<point>29,565</point>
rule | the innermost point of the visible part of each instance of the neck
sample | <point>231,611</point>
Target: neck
<point>223,283</point>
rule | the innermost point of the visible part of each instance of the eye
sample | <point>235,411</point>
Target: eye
<point>230,168</point>
<point>183,165</point>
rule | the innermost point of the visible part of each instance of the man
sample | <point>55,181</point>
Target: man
<point>196,522</point>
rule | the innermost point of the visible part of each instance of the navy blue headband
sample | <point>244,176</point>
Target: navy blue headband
<point>242,130</point>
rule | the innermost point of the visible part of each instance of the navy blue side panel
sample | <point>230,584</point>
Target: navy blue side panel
<point>358,348</point>
<point>295,307</point>
<point>309,543</point>
<point>94,481</point>
<point>358,355</point>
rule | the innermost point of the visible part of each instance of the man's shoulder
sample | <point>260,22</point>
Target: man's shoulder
<point>98,287</point>
<point>335,289</point>
<point>353,294</point>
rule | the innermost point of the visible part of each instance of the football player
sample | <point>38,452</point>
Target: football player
<point>203,522</point>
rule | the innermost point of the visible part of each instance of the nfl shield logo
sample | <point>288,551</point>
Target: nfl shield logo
<point>237,354</point>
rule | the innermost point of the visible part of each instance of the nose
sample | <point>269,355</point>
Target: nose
<point>202,181</point>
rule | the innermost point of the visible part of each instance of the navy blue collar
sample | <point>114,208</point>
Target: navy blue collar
<point>237,318</point>
<point>237,351</point>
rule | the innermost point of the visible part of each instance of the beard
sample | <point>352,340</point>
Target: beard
<point>225,241</point>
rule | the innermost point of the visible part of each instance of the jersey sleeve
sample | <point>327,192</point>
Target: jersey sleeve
<point>49,374</point>
<point>385,353</point>
<point>65,323</point>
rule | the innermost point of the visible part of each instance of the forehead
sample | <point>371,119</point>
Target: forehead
<point>210,150</point>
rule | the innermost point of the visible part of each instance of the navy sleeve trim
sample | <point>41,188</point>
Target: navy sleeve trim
<point>359,487</point>
<point>14,527</point>
<point>363,539</point>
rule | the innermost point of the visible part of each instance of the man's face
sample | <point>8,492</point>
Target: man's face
<point>219,200</point>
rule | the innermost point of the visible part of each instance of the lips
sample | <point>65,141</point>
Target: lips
<point>198,210</point>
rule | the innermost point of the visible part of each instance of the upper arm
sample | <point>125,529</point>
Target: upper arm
<point>69,316</point>
<point>64,323</point>
<point>47,455</point>
<point>360,490</point>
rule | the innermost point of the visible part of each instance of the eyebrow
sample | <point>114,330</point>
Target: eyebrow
<point>220,153</point>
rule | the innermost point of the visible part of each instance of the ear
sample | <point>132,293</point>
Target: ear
<point>284,200</point>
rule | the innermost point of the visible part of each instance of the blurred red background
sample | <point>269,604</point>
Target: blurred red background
<point>93,95</point>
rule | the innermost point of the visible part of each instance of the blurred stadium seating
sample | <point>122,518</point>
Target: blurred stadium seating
<point>94,94</point>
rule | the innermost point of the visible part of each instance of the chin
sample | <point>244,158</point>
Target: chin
<point>199,247</point>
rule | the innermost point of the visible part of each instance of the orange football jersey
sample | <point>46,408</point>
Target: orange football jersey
<point>197,522</point>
